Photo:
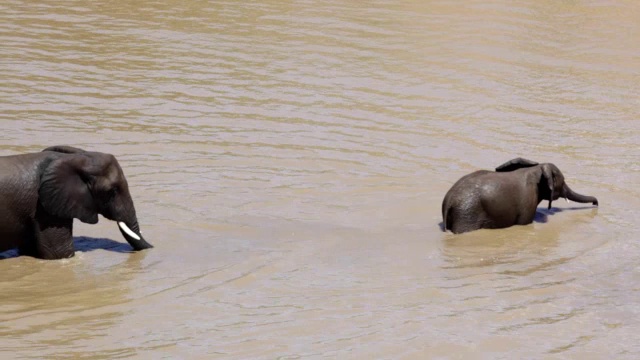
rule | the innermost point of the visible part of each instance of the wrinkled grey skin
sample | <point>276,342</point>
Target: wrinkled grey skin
<point>41,193</point>
<point>509,196</point>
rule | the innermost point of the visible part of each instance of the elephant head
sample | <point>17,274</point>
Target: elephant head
<point>83,184</point>
<point>551,185</point>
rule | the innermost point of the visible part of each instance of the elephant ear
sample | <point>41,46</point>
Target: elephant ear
<point>547,175</point>
<point>64,190</point>
<point>515,164</point>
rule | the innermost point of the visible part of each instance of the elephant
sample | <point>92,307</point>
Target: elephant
<point>509,196</point>
<point>41,193</point>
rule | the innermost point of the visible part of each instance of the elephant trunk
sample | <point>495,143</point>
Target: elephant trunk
<point>574,196</point>
<point>131,233</point>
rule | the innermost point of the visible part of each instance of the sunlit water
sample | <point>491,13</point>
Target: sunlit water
<point>288,161</point>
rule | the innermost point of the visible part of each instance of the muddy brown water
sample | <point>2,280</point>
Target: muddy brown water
<point>288,161</point>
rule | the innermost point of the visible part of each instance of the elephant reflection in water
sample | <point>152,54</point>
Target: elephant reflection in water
<point>41,193</point>
<point>505,197</point>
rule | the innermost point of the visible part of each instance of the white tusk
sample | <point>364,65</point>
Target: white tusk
<point>567,200</point>
<point>129,232</point>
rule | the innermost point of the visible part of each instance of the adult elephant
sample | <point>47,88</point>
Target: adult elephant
<point>509,196</point>
<point>41,193</point>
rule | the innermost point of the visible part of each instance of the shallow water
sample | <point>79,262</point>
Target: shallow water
<point>288,161</point>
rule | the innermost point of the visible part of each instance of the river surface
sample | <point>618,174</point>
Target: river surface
<point>288,160</point>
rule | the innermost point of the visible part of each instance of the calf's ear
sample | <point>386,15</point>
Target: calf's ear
<point>547,176</point>
<point>515,164</point>
<point>64,149</point>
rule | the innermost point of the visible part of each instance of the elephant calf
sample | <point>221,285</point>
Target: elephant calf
<point>509,196</point>
<point>41,193</point>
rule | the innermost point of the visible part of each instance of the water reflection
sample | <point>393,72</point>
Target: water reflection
<point>84,244</point>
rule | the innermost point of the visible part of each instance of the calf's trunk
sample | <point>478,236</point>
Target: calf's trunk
<point>579,198</point>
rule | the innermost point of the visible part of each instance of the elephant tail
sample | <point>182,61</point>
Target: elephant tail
<point>446,209</point>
